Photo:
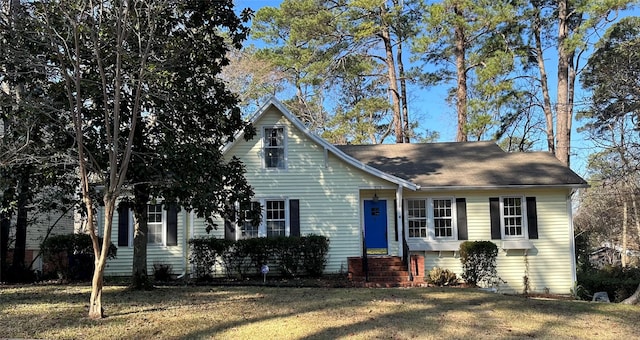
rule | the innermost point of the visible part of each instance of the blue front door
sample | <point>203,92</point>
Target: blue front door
<point>375,227</point>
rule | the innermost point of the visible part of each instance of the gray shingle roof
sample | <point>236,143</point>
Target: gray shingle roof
<point>468,164</point>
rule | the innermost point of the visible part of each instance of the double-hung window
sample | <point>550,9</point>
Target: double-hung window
<point>431,218</point>
<point>417,218</point>
<point>274,148</point>
<point>274,220</point>
<point>250,225</point>
<point>442,218</point>
<point>513,217</point>
<point>155,224</point>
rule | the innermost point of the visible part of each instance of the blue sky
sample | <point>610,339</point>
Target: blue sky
<point>429,107</point>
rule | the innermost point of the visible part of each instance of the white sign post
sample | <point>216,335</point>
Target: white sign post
<point>265,270</point>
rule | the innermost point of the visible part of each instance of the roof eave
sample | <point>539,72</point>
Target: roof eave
<point>496,187</point>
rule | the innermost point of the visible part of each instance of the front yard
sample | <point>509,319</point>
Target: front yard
<point>59,312</point>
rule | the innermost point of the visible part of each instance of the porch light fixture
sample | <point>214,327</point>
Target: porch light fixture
<point>375,196</point>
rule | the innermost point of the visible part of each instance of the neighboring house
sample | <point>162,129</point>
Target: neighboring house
<point>608,255</point>
<point>42,224</point>
<point>392,200</point>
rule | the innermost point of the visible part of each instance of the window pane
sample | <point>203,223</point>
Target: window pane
<point>443,218</point>
<point>274,148</point>
<point>250,223</point>
<point>154,224</point>
<point>513,219</point>
<point>417,218</point>
<point>275,222</point>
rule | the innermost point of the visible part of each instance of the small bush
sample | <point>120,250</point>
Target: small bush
<point>162,272</point>
<point>442,277</point>
<point>70,256</point>
<point>204,254</point>
<point>315,249</point>
<point>479,262</point>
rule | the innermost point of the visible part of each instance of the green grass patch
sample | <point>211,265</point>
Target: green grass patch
<point>204,312</point>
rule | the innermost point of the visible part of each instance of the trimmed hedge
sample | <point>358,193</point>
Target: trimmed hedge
<point>70,256</point>
<point>290,256</point>
<point>479,261</point>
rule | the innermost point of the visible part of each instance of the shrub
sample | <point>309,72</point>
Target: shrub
<point>315,249</point>
<point>442,277</point>
<point>204,254</point>
<point>70,256</point>
<point>162,272</point>
<point>618,282</point>
<point>290,255</point>
<point>478,262</point>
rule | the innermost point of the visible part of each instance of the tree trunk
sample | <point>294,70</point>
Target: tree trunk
<point>139,275</point>
<point>95,304</point>
<point>634,298</point>
<point>625,222</point>
<point>19,249</point>
<point>5,225</point>
<point>563,110</point>
<point>403,94</point>
<point>461,71</point>
<point>544,84</point>
<point>393,81</point>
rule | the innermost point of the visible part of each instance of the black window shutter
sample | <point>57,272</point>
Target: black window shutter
<point>172,224</point>
<point>294,218</point>
<point>494,210</point>
<point>461,215</point>
<point>123,225</point>
<point>532,217</point>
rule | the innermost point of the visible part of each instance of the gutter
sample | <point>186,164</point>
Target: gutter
<point>493,187</point>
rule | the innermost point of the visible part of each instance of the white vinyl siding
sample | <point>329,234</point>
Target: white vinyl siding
<point>175,256</point>
<point>549,261</point>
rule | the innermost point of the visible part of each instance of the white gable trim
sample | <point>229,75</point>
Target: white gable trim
<point>326,145</point>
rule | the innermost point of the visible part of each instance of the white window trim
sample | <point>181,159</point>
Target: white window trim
<point>525,226</point>
<point>164,228</point>
<point>426,218</point>
<point>285,147</point>
<point>431,231</point>
<point>262,228</point>
<point>454,218</point>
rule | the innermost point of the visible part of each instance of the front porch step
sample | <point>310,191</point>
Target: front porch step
<point>384,272</point>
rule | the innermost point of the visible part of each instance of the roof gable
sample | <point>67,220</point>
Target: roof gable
<point>255,118</point>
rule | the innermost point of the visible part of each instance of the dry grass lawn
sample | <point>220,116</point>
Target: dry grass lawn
<point>59,312</point>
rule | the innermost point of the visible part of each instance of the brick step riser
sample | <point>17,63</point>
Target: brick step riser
<point>387,268</point>
<point>393,279</point>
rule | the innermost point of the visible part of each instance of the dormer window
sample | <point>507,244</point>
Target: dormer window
<point>274,148</point>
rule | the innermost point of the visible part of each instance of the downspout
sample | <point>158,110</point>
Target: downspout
<point>572,243</point>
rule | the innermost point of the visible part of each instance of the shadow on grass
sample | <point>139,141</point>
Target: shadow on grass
<point>204,312</point>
